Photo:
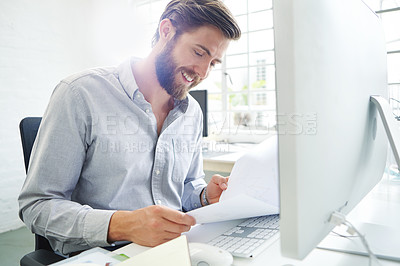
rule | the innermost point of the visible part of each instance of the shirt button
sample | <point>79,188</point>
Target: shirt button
<point>158,202</point>
<point>147,110</point>
<point>157,172</point>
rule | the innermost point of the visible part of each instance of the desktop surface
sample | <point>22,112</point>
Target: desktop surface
<point>380,206</point>
<point>221,156</point>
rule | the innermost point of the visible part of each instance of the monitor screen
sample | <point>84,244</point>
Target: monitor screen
<point>201,97</point>
<point>330,58</point>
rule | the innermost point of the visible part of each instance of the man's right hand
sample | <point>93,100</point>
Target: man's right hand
<point>149,226</point>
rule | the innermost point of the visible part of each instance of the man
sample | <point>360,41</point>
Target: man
<point>118,154</point>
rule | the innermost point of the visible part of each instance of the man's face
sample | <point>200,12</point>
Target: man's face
<point>186,60</point>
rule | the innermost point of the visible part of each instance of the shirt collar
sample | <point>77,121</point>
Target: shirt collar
<point>126,76</point>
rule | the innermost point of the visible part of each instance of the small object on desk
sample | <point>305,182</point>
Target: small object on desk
<point>206,255</point>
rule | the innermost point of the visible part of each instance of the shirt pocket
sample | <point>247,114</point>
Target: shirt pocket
<point>183,151</point>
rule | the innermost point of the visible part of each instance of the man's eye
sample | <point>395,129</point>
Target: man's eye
<point>198,54</point>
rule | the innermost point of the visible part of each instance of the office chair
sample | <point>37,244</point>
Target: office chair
<point>43,254</point>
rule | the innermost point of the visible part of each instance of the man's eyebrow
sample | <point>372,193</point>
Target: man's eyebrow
<point>208,52</point>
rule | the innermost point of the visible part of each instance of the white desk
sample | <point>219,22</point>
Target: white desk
<point>222,156</point>
<point>381,206</point>
<point>221,163</point>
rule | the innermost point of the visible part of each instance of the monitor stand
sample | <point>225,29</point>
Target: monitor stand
<point>390,124</point>
<point>384,241</point>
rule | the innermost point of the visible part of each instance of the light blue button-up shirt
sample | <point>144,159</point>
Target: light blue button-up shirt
<point>97,151</point>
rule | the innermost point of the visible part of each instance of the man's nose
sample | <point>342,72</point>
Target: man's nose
<point>202,70</point>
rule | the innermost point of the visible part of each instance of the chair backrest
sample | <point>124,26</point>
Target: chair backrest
<point>28,128</point>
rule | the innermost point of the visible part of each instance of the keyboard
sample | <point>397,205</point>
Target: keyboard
<point>250,237</point>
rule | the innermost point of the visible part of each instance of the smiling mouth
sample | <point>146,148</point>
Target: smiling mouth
<point>187,77</point>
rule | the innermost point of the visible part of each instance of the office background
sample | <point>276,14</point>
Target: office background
<point>43,41</point>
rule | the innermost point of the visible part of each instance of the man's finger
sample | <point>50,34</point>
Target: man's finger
<point>178,217</point>
<point>223,186</point>
<point>221,181</point>
<point>176,228</point>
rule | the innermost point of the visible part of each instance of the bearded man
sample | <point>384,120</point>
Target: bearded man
<point>118,153</point>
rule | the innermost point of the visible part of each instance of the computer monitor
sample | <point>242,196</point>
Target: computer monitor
<point>330,58</point>
<point>201,97</point>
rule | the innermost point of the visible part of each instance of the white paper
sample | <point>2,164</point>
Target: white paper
<point>238,207</point>
<point>172,253</point>
<point>91,257</point>
<point>253,188</point>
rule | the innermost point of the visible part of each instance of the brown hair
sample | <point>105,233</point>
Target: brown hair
<point>187,15</point>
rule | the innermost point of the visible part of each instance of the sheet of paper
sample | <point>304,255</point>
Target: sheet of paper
<point>173,253</point>
<point>256,174</point>
<point>253,187</point>
<point>91,257</point>
<point>241,206</point>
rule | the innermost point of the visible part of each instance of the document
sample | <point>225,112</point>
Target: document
<point>253,187</point>
<point>92,257</point>
<point>172,253</point>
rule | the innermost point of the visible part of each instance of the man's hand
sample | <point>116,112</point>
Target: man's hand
<point>149,226</point>
<point>215,187</point>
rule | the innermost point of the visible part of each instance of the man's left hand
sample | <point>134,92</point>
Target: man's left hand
<point>215,187</point>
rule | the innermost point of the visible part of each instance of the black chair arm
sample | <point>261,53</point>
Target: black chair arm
<point>40,257</point>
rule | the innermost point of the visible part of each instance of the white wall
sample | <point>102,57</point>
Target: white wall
<point>41,42</point>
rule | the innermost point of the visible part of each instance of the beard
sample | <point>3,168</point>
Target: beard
<point>167,73</point>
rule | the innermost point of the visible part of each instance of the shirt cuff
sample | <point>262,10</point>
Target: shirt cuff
<point>95,230</point>
<point>195,197</point>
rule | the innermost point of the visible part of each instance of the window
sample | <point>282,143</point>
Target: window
<point>241,91</point>
<point>389,12</point>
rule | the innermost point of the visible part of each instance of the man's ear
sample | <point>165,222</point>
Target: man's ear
<point>166,30</point>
